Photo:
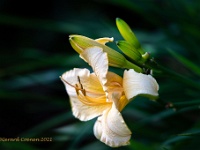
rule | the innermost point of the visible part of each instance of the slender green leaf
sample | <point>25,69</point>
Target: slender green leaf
<point>186,62</point>
<point>47,125</point>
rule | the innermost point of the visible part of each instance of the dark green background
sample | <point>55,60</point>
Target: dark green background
<point>35,51</point>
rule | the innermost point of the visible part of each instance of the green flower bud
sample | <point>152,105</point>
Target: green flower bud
<point>127,33</point>
<point>129,50</point>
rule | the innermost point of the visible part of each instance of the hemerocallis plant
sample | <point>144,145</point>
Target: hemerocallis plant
<point>105,94</point>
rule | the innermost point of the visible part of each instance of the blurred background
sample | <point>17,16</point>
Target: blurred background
<point>35,51</point>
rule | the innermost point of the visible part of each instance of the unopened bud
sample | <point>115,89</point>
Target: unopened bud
<point>127,33</point>
<point>129,50</point>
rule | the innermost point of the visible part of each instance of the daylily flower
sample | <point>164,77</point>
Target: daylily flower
<point>104,94</point>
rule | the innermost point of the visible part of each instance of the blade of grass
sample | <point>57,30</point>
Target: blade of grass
<point>140,146</point>
<point>18,145</point>
<point>47,125</point>
<point>56,26</point>
<point>186,62</point>
<point>186,103</point>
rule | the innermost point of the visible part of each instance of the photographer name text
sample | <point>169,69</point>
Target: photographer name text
<point>25,139</point>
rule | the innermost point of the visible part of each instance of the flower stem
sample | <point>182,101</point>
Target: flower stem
<point>130,65</point>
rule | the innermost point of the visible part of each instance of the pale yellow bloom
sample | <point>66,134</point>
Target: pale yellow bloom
<point>104,94</point>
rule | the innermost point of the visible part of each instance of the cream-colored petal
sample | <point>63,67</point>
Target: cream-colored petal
<point>111,129</point>
<point>119,100</point>
<point>90,105</point>
<point>139,84</point>
<point>87,112</point>
<point>114,84</point>
<point>98,60</point>
<point>104,40</point>
<point>92,86</point>
<point>114,80</point>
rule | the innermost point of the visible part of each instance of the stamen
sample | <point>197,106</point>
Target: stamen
<point>77,88</point>
<point>80,82</point>
<point>68,83</point>
<point>83,92</point>
<point>82,89</point>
